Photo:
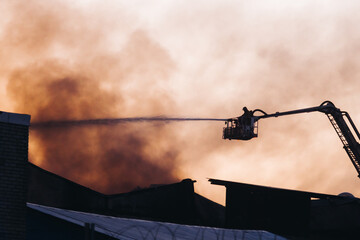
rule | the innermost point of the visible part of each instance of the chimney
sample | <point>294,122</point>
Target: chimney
<point>14,136</point>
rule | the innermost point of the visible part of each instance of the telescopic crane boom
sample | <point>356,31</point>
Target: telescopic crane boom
<point>245,127</point>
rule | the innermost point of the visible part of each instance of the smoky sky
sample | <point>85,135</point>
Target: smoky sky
<point>209,59</point>
<point>109,159</point>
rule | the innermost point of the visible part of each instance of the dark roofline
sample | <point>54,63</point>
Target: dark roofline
<point>151,188</point>
<point>15,118</point>
<point>136,191</point>
<point>310,194</point>
<point>65,179</point>
<point>208,200</point>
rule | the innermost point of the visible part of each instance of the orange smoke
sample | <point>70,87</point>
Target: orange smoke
<point>109,159</point>
<point>102,60</point>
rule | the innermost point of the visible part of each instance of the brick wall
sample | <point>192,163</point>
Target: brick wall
<point>14,132</point>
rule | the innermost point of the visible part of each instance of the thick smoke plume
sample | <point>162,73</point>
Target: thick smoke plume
<point>89,85</point>
<point>108,159</point>
<point>104,59</point>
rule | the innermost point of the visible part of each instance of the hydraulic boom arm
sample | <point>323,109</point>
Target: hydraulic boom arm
<point>245,127</point>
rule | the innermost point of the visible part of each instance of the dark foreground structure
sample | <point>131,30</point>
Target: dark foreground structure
<point>177,202</point>
<point>295,214</point>
<point>287,213</point>
<point>14,135</point>
<point>37,204</point>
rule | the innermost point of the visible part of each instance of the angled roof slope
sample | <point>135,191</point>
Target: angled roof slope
<point>176,202</point>
<point>123,228</point>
